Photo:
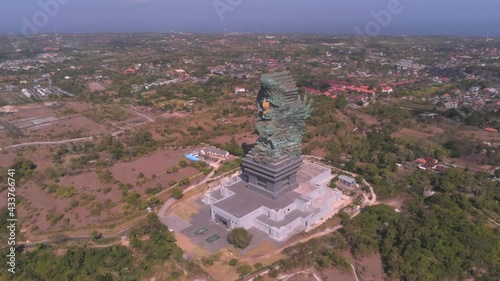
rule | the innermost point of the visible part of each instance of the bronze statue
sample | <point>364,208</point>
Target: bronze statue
<point>282,116</point>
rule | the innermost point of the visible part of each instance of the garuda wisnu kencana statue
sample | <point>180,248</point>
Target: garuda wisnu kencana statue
<point>282,116</point>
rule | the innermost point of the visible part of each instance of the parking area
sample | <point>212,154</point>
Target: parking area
<point>202,228</point>
<point>213,236</point>
<point>175,222</point>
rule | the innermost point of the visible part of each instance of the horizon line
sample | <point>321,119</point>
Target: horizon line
<point>250,33</point>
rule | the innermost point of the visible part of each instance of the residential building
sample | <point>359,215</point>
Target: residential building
<point>214,151</point>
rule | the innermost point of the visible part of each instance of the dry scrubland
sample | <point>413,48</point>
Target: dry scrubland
<point>88,193</point>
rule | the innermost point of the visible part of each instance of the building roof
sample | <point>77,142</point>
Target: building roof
<point>129,71</point>
<point>293,215</point>
<point>244,201</point>
<point>312,91</point>
<point>214,150</point>
<point>347,179</point>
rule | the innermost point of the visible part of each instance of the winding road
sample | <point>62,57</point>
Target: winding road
<point>46,143</point>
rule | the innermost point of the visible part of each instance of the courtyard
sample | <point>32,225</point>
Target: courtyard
<point>209,235</point>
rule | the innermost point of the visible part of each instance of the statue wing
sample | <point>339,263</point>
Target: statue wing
<point>296,115</point>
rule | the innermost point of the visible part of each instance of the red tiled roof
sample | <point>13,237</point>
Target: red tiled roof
<point>312,91</point>
<point>421,160</point>
<point>493,130</point>
<point>129,71</point>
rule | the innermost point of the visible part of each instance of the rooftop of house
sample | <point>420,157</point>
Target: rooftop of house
<point>214,150</point>
<point>347,179</point>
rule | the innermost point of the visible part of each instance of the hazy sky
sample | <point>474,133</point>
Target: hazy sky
<point>458,17</point>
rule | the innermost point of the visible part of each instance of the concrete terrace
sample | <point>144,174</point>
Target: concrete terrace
<point>245,201</point>
<point>202,220</point>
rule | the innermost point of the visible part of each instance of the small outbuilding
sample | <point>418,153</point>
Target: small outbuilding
<point>214,151</point>
<point>347,180</point>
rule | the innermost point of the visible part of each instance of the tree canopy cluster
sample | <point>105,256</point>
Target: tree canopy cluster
<point>441,237</point>
<point>102,263</point>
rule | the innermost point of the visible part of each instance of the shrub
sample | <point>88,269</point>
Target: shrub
<point>153,190</point>
<point>53,217</point>
<point>172,170</point>
<point>273,273</point>
<point>233,262</point>
<point>94,236</point>
<point>259,278</point>
<point>244,270</point>
<point>239,237</point>
<point>177,193</point>
<point>74,203</point>
<point>182,163</point>
<point>209,261</point>
<point>105,176</point>
<point>184,181</point>
<point>96,208</point>
<point>344,216</point>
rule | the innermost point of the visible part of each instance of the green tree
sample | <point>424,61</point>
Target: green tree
<point>233,262</point>
<point>95,235</point>
<point>182,163</point>
<point>177,193</point>
<point>244,270</point>
<point>24,168</point>
<point>239,237</point>
<point>184,181</point>
<point>497,173</point>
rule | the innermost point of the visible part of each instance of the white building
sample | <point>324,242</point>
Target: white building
<point>239,90</point>
<point>210,150</point>
<point>235,205</point>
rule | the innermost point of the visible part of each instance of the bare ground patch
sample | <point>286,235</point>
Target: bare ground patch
<point>367,118</point>
<point>405,133</point>
<point>7,158</point>
<point>370,268</point>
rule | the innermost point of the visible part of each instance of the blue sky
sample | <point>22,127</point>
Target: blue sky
<point>458,17</point>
